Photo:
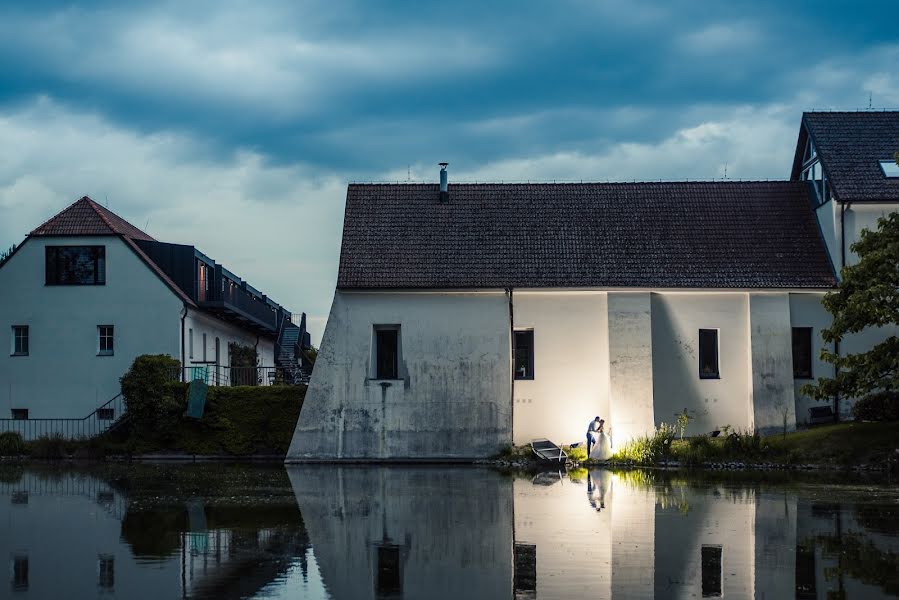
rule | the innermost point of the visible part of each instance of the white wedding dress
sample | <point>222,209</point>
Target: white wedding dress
<point>602,450</point>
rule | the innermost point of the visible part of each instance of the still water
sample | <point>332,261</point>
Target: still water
<point>229,531</point>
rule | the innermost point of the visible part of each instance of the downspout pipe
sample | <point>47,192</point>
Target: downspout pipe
<point>183,365</point>
<point>509,292</point>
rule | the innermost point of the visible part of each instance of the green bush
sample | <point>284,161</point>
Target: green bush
<point>879,406</point>
<point>48,446</point>
<point>153,396</point>
<point>11,444</point>
<point>649,448</point>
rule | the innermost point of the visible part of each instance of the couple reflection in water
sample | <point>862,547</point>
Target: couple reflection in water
<point>599,444</point>
<point>596,489</point>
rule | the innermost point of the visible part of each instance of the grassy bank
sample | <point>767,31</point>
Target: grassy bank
<point>237,421</point>
<point>839,445</point>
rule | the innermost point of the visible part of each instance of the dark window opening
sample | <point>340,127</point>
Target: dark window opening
<point>524,354</point>
<point>76,265</point>
<point>389,574</point>
<point>802,352</point>
<point>106,571</point>
<point>20,573</point>
<point>708,354</point>
<point>20,497</point>
<point>202,281</point>
<point>105,414</point>
<point>525,574</point>
<point>106,339</point>
<point>387,354</point>
<point>711,571</point>
<point>806,588</point>
<point>20,414</point>
<point>20,340</point>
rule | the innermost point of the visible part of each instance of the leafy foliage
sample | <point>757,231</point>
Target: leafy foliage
<point>4,256</point>
<point>11,444</point>
<point>867,296</point>
<point>154,400</point>
<point>650,448</point>
<point>879,406</point>
<point>241,355</point>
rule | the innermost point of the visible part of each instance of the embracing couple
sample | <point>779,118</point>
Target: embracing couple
<point>599,446</point>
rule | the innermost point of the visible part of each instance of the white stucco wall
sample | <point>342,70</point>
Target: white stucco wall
<point>630,365</point>
<point>197,323</point>
<point>453,398</point>
<point>571,365</point>
<point>862,216</point>
<point>806,310</point>
<point>773,397</point>
<point>676,321</point>
<point>62,376</point>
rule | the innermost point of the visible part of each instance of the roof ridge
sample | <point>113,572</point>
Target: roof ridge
<point>47,221</point>
<point>96,208</point>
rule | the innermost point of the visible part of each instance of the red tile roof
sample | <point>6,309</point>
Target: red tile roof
<point>86,217</point>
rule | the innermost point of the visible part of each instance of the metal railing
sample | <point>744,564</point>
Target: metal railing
<point>219,375</point>
<point>99,421</point>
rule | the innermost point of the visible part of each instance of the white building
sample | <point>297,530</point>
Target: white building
<point>469,316</point>
<point>87,292</point>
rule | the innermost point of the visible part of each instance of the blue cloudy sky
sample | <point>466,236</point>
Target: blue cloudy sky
<point>236,126</point>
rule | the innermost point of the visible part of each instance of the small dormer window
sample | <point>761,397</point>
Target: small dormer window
<point>889,168</point>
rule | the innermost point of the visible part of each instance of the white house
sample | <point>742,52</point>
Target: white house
<point>87,292</point>
<point>470,316</point>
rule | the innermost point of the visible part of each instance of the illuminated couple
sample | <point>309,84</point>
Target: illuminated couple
<point>599,444</point>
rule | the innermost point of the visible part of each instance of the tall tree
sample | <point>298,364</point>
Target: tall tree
<point>867,296</point>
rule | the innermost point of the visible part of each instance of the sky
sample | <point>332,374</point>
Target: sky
<point>235,126</point>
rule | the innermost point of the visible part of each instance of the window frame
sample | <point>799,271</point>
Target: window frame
<point>527,333</point>
<point>99,258</point>
<point>15,351</point>
<point>110,350</point>
<point>717,355</point>
<point>806,331</point>
<point>190,343</point>
<point>376,353</point>
<point>19,414</point>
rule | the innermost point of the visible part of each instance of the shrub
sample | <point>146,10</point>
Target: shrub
<point>48,446</point>
<point>576,453</point>
<point>11,444</point>
<point>879,406</point>
<point>155,400</point>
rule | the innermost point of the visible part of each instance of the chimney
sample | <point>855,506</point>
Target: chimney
<point>444,193</point>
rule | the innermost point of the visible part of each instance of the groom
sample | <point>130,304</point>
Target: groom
<point>592,430</point>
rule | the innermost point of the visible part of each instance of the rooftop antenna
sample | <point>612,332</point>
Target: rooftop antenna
<point>870,100</point>
<point>725,169</point>
<point>408,173</point>
<point>147,224</point>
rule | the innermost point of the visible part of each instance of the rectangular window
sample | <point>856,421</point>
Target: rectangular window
<point>106,340</point>
<point>20,497</point>
<point>806,588</point>
<point>190,342</point>
<point>525,573</point>
<point>708,354</point>
<point>105,414</point>
<point>390,579</point>
<point>712,573</point>
<point>524,354</point>
<point>802,352</point>
<point>20,573</point>
<point>387,352</point>
<point>20,414</point>
<point>106,571</point>
<point>75,265</point>
<point>20,340</point>
<point>202,281</point>
<point>204,347</point>
<point>889,168</point>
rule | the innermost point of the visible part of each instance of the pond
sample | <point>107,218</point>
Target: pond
<point>322,532</point>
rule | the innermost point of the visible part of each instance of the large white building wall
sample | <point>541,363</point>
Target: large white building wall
<point>63,376</point>
<point>571,365</point>
<point>806,310</point>
<point>630,365</point>
<point>198,324</point>
<point>676,321</point>
<point>453,398</point>
<point>773,397</point>
<point>859,217</point>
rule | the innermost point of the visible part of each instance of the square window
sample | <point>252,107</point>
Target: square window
<point>20,497</point>
<point>20,414</point>
<point>389,574</point>
<point>802,352</point>
<point>712,574</point>
<point>708,354</point>
<point>75,265</point>
<point>524,354</point>
<point>20,340</point>
<point>105,333</point>
<point>387,351</point>
<point>105,414</point>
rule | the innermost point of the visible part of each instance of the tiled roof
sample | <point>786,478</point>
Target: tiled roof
<point>631,235</point>
<point>86,217</point>
<point>850,146</point>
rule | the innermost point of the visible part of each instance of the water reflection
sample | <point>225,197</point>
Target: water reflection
<point>217,531</point>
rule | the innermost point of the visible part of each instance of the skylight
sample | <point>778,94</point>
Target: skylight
<point>890,168</point>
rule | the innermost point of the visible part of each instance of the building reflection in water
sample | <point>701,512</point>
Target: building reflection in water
<point>417,532</point>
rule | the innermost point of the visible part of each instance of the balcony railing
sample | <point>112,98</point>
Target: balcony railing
<point>90,426</point>
<point>231,297</point>
<point>216,375</point>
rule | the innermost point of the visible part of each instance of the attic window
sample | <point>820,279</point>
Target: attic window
<point>889,168</point>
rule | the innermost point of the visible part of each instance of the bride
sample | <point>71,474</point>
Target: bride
<point>603,448</point>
